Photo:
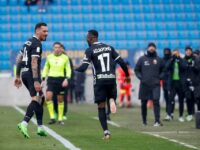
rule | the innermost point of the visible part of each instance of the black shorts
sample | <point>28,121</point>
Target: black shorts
<point>54,84</point>
<point>103,92</point>
<point>27,80</point>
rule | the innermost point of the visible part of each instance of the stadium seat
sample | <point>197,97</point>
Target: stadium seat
<point>123,23</point>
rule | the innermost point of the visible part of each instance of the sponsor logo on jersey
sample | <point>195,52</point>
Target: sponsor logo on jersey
<point>28,43</point>
<point>105,76</point>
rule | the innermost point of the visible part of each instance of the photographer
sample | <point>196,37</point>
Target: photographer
<point>176,67</point>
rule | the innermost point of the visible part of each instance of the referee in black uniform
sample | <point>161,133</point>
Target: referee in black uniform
<point>28,65</point>
<point>103,59</point>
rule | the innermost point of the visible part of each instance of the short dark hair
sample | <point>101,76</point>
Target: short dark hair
<point>94,33</point>
<point>188,47</point>
<point>152,44</point>
<point>57,43</point>
<point>62,46</point>
<point>38,25</point>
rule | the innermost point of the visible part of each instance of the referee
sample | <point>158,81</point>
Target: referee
<point>58,70</point>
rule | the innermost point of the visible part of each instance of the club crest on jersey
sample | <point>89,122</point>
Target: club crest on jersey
<point>146,63</point>
<point>155,62</point>
<point>38,49</point>
<point>28,43</point>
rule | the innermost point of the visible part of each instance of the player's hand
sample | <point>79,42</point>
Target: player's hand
<point>65,83</point>
<point>127,80</point>
<point>37,86</point>
<point>18,82</point>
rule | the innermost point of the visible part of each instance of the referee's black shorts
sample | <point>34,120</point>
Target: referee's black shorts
<point>27,79</point>
<point>54,84</point>
<point>103,92</point>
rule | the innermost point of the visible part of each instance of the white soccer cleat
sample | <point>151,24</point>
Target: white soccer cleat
<point>113,107</point>
<point>167,118</point>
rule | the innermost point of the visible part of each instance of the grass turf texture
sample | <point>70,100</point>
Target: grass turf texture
<point>85,132</point>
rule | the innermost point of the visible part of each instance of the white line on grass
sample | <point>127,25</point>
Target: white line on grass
<point>171,140</point>
<point>58,137</point>
<point>156,134</point>
<point>109,122</point>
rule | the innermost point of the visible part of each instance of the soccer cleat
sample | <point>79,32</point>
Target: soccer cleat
<point>61,122</point>
<point>181,119</point>
<point>189,118</point>
<point>107,135</point>
<point>41,132</point>
<point>113,107</point>
<point>52,121</point>
<point>23,130</point>
<point>167,118</point>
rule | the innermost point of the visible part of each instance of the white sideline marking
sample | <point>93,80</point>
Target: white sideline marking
<point>109,122</point>
<point>156,134</point>
<point>58,137</point>
<point>171,140</point>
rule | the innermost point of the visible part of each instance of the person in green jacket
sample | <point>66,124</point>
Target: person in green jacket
<point>57,69</point>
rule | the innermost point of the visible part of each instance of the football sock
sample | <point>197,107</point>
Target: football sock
<point>60,110</point>
<point>39,113</point>
<point>102,118</point>
<point>29,112</point>
<point>50,108</point>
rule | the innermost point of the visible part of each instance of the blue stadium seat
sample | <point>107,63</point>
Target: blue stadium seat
<point>162,35</point>
<point>77,27</point>
<point>141,35</point>
<point>120,36</point>
<point>172,35</point>
<point>110,36</point>
<point>96,10</point>
<point>119,27</point>
<point>150,26</point>
<point>4,29</point>
<point>157,9</point>
<point>109,27</point>
<point>140,26</point>
<point>131,36</point>
<point>181,26</point>
<point>151,36</point>
<point>76,18</point>
<point>129,27</point>
<point>128,18</point>
<point>5,56</point>
<point>66,18</point>
<point>4,46</point>
<point>5,65</point>
<point>171,26</point>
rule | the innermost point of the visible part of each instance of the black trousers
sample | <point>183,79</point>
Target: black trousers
<point>156,107</point>
<point>176,88</point>
<point>190,101</point>
<point>166,97</point>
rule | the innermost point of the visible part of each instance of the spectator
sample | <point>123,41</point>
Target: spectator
<point>149,70</point>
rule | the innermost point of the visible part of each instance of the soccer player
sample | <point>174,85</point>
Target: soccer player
<point>103,59</point>
<point>58,70</point>
<point>28,66</point>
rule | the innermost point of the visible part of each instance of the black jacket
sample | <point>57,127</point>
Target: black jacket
<point>149,70</point>
<point>192,78</point>
<point>166,72</point>
<point>170,68</point>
